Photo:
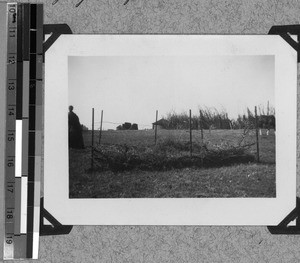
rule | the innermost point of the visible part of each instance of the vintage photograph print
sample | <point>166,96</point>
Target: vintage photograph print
<point>170,129</point>
<point>172,126</point>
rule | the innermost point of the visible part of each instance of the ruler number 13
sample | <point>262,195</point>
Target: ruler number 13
<point>11,86</point>
<point>11,111</point>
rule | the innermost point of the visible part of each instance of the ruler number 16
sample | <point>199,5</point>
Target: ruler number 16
<point>10,163</point>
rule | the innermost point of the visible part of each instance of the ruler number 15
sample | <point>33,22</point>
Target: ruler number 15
<point>10,137</point>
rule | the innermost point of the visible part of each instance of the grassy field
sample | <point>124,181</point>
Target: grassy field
<point>236,180</point>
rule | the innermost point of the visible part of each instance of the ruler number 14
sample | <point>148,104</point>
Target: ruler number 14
<point>10,187</point>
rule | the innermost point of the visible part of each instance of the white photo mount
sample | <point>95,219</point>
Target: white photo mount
<point>234,211</point>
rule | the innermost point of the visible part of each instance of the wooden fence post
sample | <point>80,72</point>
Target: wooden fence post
<point>92,159</point>
<point>191,144</point>
<point>257,137</point>
<point>201,126</point>
<point>155,135</point>
<point>100,132</point>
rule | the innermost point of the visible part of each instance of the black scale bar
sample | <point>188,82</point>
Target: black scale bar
<point>35,55</point>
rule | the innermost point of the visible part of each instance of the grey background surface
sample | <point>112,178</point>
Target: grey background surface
<point>157,243</point>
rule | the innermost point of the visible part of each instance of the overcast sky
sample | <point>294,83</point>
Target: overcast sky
<point>131,89</point>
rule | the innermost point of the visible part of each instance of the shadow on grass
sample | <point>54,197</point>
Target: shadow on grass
<point>168,155</point>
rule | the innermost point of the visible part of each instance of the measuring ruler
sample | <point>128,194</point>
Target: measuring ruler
<point>23,129</point>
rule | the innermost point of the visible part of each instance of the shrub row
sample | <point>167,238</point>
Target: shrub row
<point>168,154</point>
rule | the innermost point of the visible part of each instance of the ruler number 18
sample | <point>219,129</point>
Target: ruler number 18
<point>9,214</point>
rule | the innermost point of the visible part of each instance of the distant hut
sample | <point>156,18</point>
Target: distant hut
<point>134,126</point>
<point>127,126</point>
<point>161,124</point>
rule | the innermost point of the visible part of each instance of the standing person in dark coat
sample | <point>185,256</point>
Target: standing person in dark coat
<point>75,131</point>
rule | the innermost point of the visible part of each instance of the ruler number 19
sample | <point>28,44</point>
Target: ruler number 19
<point>9,240</point>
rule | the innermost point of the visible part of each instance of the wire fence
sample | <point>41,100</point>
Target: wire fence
<point>188,129</point>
